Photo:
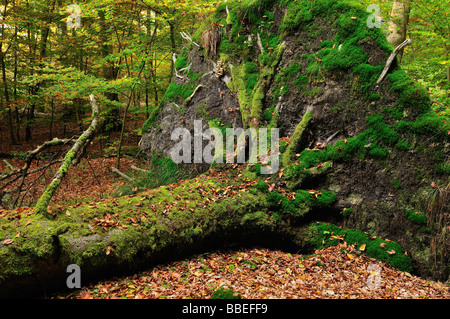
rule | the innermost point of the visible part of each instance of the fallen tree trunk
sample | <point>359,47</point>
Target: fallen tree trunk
<point>122,236</point>
<point>44,200</point>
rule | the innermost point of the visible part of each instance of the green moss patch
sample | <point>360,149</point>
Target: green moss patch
<point>388,251</point>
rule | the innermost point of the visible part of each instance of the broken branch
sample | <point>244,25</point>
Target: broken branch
<point>188,100</point>
<point>187,37</point>
<point>44,200</point>
<point>391,59</point>
<point>115,170</point>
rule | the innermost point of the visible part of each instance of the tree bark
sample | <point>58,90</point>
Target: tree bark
<point>5,84</point>
<point>399,24</point>
<point>447,53</point>
<point>110,72</point>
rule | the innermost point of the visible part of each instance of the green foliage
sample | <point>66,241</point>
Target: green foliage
<point>416,217</point>
<point>367,77</point>
<point>304,200</point>
<point>301,12</point>
<point>368,143</point>
<point>412,96</point>
<point>315,199</point>
<point>217,123</point>
<point>261,186</point>
<point>161,171</point>
<point>380,131</point>
<point>426,123</point>
<point>443,168</point>
<point>347,211</point>
<point>296,139</point>
<point>176,91</point>
<point>403,145</point>
<point>378,152</point>
<point>225,293</point>
<point>396,183</point>
<point>181,62</point>
<point>326,235</point>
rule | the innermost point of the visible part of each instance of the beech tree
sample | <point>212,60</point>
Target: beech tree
<point>399,23</point>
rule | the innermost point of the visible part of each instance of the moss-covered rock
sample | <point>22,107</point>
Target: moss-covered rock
<point>283,59</point>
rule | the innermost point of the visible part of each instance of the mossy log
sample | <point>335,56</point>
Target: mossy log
<point>124,235</point>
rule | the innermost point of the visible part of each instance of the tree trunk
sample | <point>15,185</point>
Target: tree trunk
<point>447,53</point>
<point>399,24</point>
<point>112,121</point>
<point>173,47</point>
<point>5,85</point>
<point>8,102</point>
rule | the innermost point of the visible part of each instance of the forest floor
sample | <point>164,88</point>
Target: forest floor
<point>337,272</point>
<point>91,179</point>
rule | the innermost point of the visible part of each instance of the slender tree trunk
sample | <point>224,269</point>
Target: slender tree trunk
<point>7,99</point>
<point>16,108</point>
<point>399,24</point>
<point>173,47</point>
<point>447,53</point>
<point>110,72</point>
<point>52,105</point>
<point>5,83</point>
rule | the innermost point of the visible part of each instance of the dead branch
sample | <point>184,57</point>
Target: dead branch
<point>140,169</point>
<point>258,41</point>
<point>188,100</point>
<point>187,37</point>
<point>22,173</point>
<point>211,40</point>
<point>44,200</point>
<point>391,59</point>
<point>115,170</point>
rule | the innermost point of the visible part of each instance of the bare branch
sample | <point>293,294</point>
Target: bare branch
<point>44,200</point>
<point>187,37</point>
<point>115,170</point>
<point>391,59</point>
<point>188,100</point>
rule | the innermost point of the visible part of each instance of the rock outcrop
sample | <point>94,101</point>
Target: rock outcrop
<point>382,144</point>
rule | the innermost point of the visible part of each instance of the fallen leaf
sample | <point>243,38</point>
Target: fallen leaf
<point>362,247</point>
<point>176,275</point>
<point>8,241</point>
<point>271,187</point>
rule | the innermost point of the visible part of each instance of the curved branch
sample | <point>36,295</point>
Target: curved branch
<point>391,59</point>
